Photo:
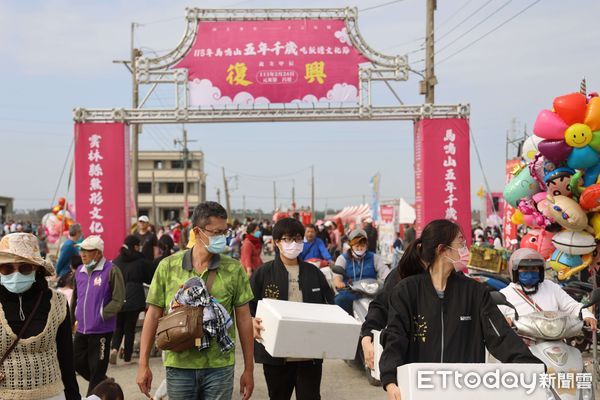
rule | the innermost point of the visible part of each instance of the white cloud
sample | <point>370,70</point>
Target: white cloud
<point>203,93</point>
<point>342,36</point>
<point>340,93</point>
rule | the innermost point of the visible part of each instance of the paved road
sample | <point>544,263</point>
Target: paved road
<point>340,382</point>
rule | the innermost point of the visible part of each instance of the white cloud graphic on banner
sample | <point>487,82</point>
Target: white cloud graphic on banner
<point>340,93</point>
<point>342,36</point>
<point>203,93</point>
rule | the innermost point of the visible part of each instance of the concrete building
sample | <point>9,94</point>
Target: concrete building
<point>160,184</point>
<point>6,207</point>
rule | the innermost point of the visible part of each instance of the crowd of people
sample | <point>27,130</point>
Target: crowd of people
<point>91,319</point>
<point>91,305</point>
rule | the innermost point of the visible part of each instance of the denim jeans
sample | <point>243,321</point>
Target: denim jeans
<point>200,384</point>
<point>344,299</point>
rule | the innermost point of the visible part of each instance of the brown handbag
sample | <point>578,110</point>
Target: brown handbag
<point>182,328</point>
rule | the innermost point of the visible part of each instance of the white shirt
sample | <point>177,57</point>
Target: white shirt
<point>549,297</point>
<point>380,267</point>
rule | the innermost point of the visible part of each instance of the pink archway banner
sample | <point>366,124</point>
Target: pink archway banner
<point>259,62</point>
<point>101,182</point>
<point>442,177</point>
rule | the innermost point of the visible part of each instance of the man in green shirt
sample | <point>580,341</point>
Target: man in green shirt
<point>201,374</point>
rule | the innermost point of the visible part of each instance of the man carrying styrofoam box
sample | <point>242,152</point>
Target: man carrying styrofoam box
<point>292,306</point>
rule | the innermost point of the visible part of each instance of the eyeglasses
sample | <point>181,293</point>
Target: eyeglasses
<point>288,240</point>
<point>25,269</point>
<point>225,232</point>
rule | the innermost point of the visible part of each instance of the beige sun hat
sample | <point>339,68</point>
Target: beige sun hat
<point>23,248</point>
<point>92,243</point>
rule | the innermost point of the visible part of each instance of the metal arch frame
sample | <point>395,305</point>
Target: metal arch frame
<point>158,70</point>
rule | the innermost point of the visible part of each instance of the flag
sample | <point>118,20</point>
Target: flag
<point>375,180</point>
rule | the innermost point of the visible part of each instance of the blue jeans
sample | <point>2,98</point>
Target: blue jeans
<point>200,384</point>
<point>344,299</point>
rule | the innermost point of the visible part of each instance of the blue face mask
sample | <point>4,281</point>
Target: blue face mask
<point>17,282</point>
<point>257,234</point>
<point>529,278</point>
<point>216,244</point>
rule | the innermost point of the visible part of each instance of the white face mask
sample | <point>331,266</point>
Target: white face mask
<point>291,250</point>
<point>359,253</point>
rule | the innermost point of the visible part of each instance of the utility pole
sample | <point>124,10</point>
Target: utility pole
<point>227,201</point>
<point>294,195</point>
<point>274,196</point>
<point>428,84</point>
<point>154,210</point>
<point>244,207</point>
<point>134,127</point>
<point>186,157</point>
<point>312,193</point>
<point>218,195</point>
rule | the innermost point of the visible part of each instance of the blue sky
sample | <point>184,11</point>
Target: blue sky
<point>57,55</point>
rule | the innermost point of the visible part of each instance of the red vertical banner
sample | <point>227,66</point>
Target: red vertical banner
<point>386,213</point>
<point>509,229</point>
<point>102,182</point>
<point>442,172</point>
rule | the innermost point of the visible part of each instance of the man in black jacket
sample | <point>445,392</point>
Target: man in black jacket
<point>288,278</point>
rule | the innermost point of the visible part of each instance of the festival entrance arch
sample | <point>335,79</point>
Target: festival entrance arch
<point>269,65</point>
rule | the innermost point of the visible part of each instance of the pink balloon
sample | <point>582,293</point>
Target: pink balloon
<point>549,125</point>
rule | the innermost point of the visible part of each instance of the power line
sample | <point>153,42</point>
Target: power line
<point>475,26</point>
<point>455,13</point>
<point>489,32</point>
<point>464,20</point>
<point>389,3</point>
<point>62,173</point>
<point>259,177</point>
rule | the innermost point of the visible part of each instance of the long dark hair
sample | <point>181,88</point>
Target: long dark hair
<point>128,248</point>
<point>420,254</point>
<point>165,244</point>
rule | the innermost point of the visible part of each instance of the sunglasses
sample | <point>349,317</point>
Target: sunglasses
<point>25,269</point>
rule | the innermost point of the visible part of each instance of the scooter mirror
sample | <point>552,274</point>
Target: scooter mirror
<point>339,270</point>
<point>500,300</point>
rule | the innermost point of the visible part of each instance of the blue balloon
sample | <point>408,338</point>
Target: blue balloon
<point>583,158</point>
<point>591,175</point>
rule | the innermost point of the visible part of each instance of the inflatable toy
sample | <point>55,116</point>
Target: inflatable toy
<point>590,198</point>
<point>574,243</point>
<point>567,212</point>
<point>521,186</point>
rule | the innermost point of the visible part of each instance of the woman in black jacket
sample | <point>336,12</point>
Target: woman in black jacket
<point>136,270</point>
<point>439,316</point>
<point>288,278</point>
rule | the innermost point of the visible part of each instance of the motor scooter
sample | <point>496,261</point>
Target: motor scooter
<point>367,289</point>
<point>548,330</point>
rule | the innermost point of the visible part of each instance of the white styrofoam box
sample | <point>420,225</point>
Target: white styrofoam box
<point>377,350</point>
<point>432,375</point>
<point>303,330</point>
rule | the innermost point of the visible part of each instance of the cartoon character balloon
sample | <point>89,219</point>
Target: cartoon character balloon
<point>568,213</point>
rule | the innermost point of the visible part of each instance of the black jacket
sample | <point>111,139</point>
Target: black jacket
<point>136,270</point>
<point>377,316</point>
<point>456,329</point>
<point>271,281</point>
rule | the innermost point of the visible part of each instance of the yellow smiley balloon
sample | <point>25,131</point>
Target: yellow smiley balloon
<point>578,135</point>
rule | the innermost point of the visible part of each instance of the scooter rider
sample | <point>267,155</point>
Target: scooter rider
<point>359,264</point>
<point>530,292</point>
